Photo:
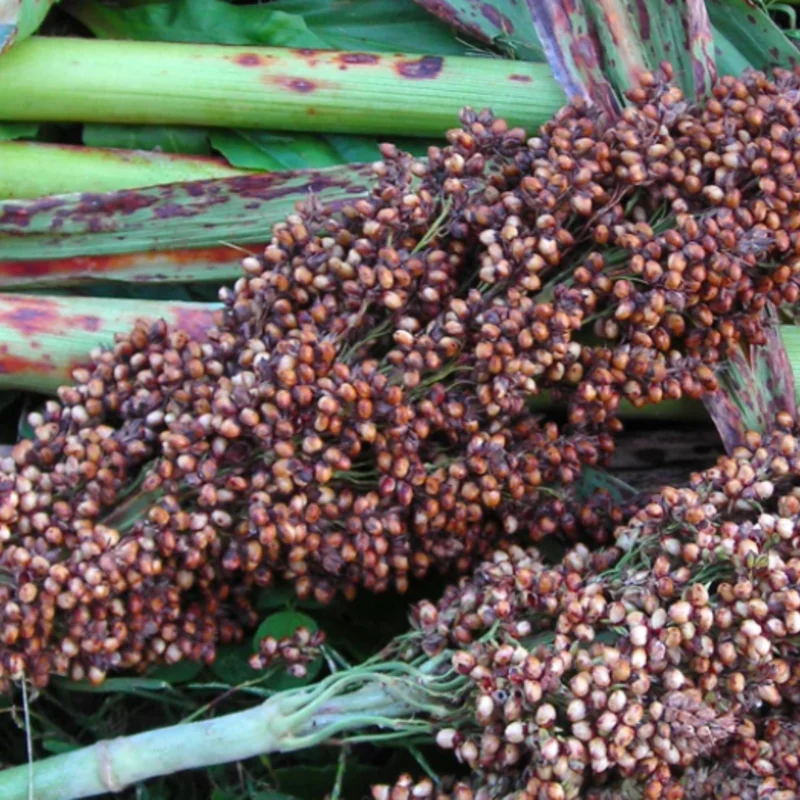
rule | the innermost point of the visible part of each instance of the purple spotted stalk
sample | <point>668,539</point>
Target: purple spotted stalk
<point>155,83</point>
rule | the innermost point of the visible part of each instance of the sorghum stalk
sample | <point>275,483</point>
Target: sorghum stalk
<point>96,169</point>
<point>45,338</point>
<point>301,90</point>
<point>20,19</point>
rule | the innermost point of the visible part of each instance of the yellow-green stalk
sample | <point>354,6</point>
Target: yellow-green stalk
<point>33,169</point>
<point>43,339</point>
<point>83,80</point>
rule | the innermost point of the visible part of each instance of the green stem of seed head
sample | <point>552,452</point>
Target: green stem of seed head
<point>402,700</point>
<point>436,226</point>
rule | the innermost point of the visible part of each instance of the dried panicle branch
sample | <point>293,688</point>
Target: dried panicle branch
<point>361,412</point>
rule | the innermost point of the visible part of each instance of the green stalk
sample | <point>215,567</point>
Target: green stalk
<point>43,339</point>
<point>383,696</point>
<point>95,169</point>
<point>790,334</point>
<point>20,18</point>
<point>85,80</point>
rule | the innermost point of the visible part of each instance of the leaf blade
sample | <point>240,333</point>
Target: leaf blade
<point>744,25</point>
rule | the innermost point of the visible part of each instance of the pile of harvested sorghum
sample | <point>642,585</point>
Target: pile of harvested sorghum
<point>362,412</point>
<point>664,667</point>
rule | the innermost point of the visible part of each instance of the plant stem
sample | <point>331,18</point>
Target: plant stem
<point>95,169</point>
<point>43,339</point>
<point>84,80</point>
<point>289,721</point>
<point>790,334</point>
<point>19,19</point>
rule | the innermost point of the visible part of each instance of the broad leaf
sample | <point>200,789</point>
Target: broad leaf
<point>252,149</point>
<point>169,139</point>
<point>507,25</point>
<point>17,130</point>
<point>231,665</point>
<point>173,674</point>
<point>264,150</point>
<point>283,623</point>
<point>383,25</point>
<point>279,625</point>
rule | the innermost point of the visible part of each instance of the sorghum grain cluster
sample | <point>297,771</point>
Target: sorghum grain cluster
<point>362,412</point>
<point>651,669</point>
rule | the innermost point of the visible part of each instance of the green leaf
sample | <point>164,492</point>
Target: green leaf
<point>275,597</point>
<point>21,18</point>
<point>281,624</point>
<point>264,150</point>
<point>384,25</point>
<point>747,30</point>
<point>117,685</point>
<point>173,674</point>
<point>58,746</point>
<point>505,24</point>
<point>592,480</point>
<point>380,25</point>
<point>271,794</point>
<point>18,130</point>
<point>250,149</point>
<point>231,665</point>
<point>168,139</point>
